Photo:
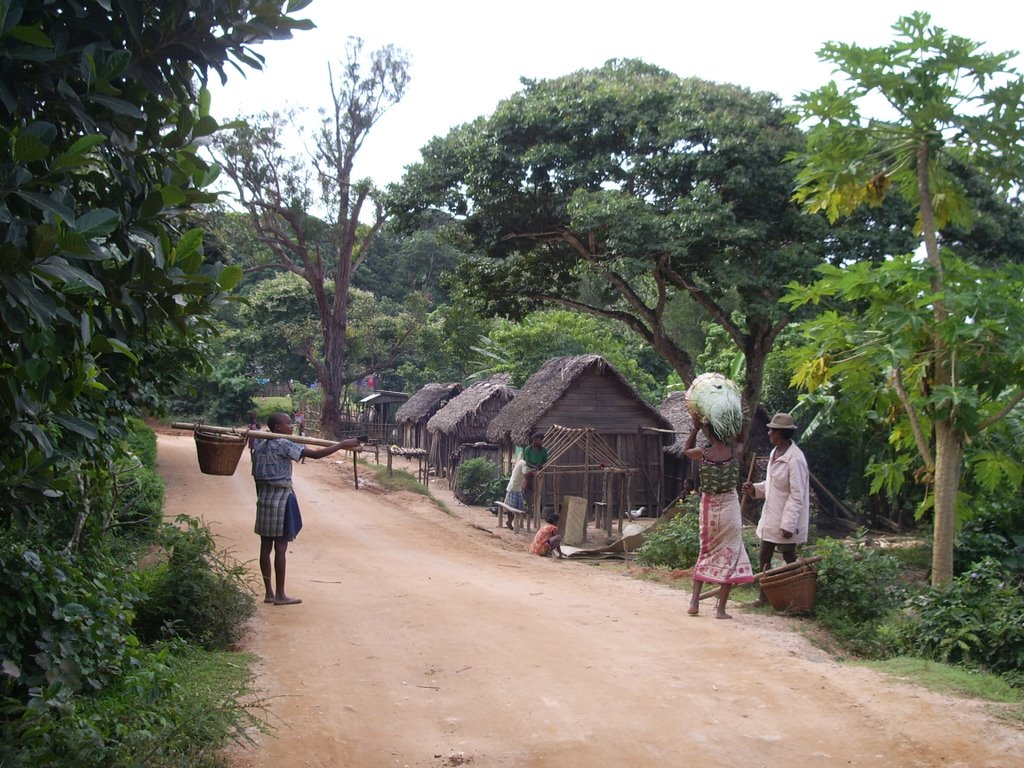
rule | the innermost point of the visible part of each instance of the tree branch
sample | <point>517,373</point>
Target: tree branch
<point>915,422</point>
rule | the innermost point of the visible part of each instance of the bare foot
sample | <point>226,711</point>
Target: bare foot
<point>268,599</point>
<point>722,615</point>
<point>693,610</point>
<point>287,601</point>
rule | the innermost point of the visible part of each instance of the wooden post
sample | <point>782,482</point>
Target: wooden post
<point>586,483</point>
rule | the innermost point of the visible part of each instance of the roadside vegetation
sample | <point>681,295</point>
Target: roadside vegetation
<point>657,228</point>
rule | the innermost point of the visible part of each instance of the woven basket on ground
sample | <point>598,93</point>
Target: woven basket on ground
<point>218,453</point>
<point>791,592</point>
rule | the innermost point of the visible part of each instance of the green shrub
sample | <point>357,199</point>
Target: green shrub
<point>66,622</point>
<point>857,591</point>
<point>675,544</point>
<point>174,708</point>
<point>997,531</point>
<point>139,502</point>
<point>198,594</point>
<point>475,481</point>
<point>142,442</point>
<point>976,621</point>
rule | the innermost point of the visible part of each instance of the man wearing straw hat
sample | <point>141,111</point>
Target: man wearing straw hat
<point>272,471</point>
<point>786,493</point>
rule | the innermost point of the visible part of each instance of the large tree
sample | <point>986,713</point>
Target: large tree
<point>625,190</point>
<point>309,214</point>
<point>950,106</point>
<point>104,291</point>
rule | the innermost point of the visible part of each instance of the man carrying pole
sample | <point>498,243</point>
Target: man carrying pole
<point>272,471</point>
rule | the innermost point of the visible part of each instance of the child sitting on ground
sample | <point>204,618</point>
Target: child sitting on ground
<point>548,539</point>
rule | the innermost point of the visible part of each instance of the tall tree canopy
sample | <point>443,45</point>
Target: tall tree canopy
<point>943,337</point>
<point>624,190</point>
<point>103,290</point>
<point>309,216</point>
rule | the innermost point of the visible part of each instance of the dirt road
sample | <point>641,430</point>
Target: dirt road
<point>425,641</point>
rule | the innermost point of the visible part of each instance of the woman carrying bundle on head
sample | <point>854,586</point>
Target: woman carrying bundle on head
<point>715,407</point>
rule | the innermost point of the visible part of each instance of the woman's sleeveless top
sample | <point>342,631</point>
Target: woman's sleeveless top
<point>719,477</point>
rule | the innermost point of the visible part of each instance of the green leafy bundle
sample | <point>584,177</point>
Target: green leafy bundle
<point>717,401</point>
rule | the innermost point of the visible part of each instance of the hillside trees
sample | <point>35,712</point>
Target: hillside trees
<point>308,216</point>
<point>104,291</point>
<point>939,338</point>
<point>624,191</point>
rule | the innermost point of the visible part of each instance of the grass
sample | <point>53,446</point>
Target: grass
<point>400,480</point>
<point>956,681</point>
<point>267,405</point>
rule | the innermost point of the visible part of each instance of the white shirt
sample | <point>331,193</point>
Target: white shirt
<point>786,494</point>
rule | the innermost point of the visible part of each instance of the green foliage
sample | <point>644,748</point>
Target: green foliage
<point>66,619</point>
<point>475,481</point>
<point>938,84</point>
<point>522,348</point>
<point>105,287</point>
<point>996,531</point>
<point>977,621</point>
<point>198,594</point>
<point>173,708</point>
<point>139,501</point>
<point>142,442</point>
<point>675,544</point>
<point>629,193</point>
<point>857,592</point>
<point>889,344</point>
<point>221,394</point>
<point>955,116</point>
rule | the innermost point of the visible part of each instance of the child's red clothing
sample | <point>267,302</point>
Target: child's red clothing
<point>541,542</point>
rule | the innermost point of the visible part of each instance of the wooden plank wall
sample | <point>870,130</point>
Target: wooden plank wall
<point>599,402</point>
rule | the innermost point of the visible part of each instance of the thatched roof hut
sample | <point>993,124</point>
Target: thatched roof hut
<point>586,391</point>
<point>464,419</point>
<point>677,466</point>
<point>411,419</point>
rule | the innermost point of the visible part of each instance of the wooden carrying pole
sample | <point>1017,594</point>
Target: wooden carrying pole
<point>260,434</point>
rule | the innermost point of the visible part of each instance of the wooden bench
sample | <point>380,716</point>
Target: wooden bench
<point>520,517</point>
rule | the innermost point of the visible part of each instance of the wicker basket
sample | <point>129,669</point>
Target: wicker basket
<point>791,592</point>
<point>218,453</point>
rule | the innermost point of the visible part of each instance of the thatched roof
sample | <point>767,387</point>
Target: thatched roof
<point>673,408</point>
<point>471,410</point>
<point>541,391</point>
<point>425,403</point>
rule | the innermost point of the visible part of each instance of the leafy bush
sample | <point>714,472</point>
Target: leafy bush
<point>857,591</point>
<point>676,544</point>
<point>475,481</point>
<point>139,502</point>
<point>198,594</point>
<point>172,709</point>
<point>142,442</point>
<point>222,396</point>
<point>997,531</point>
<point>66,622</point>
<point>977,621</point>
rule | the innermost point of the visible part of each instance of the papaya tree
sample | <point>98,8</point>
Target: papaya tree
<point>940,336</point>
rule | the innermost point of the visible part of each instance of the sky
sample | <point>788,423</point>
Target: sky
<point>467,56</point>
